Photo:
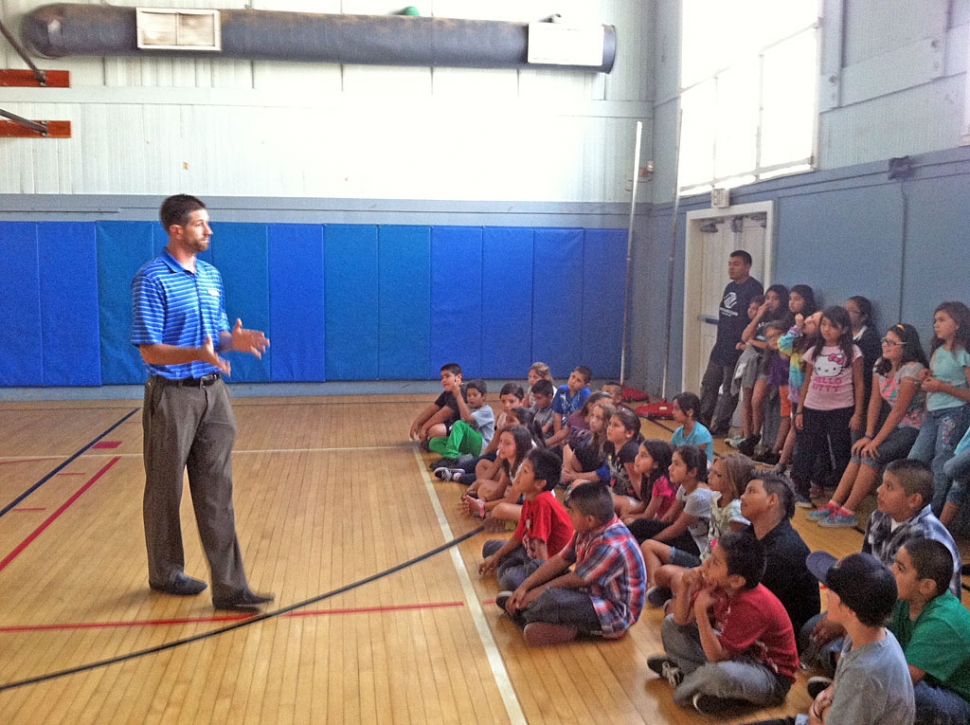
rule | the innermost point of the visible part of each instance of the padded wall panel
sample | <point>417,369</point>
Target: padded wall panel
<point>296,302</point>
<point>557,294</point>
<point>21,346</point>
<point>404,302</point>
<point>70,329</point>
<point>604,269</point>
<point>507,254</point>
<point>350,301</point>
<point>456,299</point>
<point>123,247</point>
<point>241,254</point>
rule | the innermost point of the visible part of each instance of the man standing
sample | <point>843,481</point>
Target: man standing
<point>180,327</point>
<point>732,319</point>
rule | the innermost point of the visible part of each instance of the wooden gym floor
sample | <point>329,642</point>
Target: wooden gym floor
<point>328,492</point>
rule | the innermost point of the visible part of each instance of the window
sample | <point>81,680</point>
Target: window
<point>749,78</point>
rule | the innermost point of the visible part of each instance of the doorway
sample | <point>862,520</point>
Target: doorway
<point>712,234</point>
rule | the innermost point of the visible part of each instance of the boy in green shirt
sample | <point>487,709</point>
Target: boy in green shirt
<point>933,628</point>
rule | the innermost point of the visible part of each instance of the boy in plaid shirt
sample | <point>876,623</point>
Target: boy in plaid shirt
<point>603,595</point>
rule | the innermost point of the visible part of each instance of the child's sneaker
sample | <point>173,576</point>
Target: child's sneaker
<point>666,668</point>
<point>817,684</point>
<point>443,463</point>
<point>823,512</point>
<point>747,445</point>
<point>802,501</point>
<point>448,474</point>
<point>541,634</point>
<point>502,597</point>
<point>841,519</point>
<point>657,596</point>
<point>733,441</point>
<point>712,705</point>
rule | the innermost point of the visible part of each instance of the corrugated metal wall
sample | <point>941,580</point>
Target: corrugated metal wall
<point>147,126</point>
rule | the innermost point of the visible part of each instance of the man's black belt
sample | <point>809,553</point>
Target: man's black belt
<point>202,382</point>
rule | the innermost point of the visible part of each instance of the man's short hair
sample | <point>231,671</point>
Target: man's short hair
<point>543,387</point>
<point>745,257</point>
<point>592,499</point>
<point>547,466</point>
<point>585,372</point>
<point>478,384</point>
<point>932,560</point>
<point>914,476</point>
<point>745,557</point>
<point>512,389</point>
<point>453,368</point>
<point>176,210</point>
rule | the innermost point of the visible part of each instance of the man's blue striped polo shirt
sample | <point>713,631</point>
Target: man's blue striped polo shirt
<point>173,306</point>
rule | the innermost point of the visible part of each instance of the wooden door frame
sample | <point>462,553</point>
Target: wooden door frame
<point>692,367</point>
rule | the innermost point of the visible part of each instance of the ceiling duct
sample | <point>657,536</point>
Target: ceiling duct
<point>56,31</point>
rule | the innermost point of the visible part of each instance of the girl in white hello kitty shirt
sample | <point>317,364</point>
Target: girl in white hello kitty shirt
<point>831,402</point>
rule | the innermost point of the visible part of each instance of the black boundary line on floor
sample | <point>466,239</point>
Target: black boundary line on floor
<point>862,531</point>
<point>244,623</point>
<point>6,509</point>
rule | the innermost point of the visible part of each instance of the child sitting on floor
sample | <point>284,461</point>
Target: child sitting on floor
<point>729,641</point>
<point>587,462</point>
<point>544,527</point>
<point>727,478</point>
<point>470,435</point>
<point>602,595</point>
<point>872,685</point>
<point>514,445</point>
<point>657,495</point>
<point>569,399</point>
<point>622,442</point>
<point>933,628</point>
<point>691,433</point>
<point>435,419</point>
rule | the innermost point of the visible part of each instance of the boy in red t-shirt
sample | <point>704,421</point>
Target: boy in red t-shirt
<point>544,527</point>
<point>729,641</point>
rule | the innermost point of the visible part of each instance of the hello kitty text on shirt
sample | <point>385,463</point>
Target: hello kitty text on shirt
<point>831,385</point>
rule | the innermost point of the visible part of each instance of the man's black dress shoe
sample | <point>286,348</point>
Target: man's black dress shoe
<point>182,586</point>
<point>244,601</point>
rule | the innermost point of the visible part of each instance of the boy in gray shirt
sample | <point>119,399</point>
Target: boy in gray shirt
<point>872,684</point>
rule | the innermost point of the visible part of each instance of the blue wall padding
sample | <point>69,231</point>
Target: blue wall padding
<point>507,302</point>
<point>123,247</point>
<point>604,268</point>
<point>241,253</point>
<point>350,301</point>
<point>70,330</point>
<point>404,302</point>
<point>557,294</point>
<point>339,302</point>
<point>21,347</point>
<point>456,299</point>
<point>296,293</point>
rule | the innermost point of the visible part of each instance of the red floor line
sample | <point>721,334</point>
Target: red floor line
<point>54,516</point>
<point>220,618</point>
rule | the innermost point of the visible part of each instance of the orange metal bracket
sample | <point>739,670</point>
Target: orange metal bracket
<point>27,79</point>
<point>55,129</point>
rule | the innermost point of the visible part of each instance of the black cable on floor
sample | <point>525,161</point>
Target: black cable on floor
<point>243,623</point>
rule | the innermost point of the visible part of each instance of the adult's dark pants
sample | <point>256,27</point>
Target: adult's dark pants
<point>190,428</point>
<point>717,407</point>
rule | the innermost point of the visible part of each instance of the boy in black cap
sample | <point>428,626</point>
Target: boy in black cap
<point>872,685</point>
